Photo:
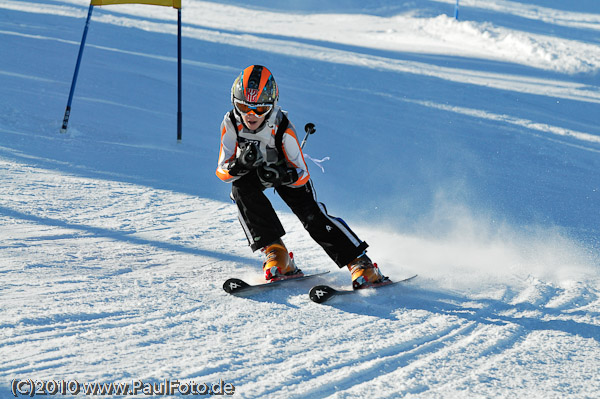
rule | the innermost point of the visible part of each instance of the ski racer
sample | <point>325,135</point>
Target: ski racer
<point>259,149</point>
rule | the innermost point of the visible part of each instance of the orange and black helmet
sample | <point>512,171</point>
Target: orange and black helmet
<point>255,85</point>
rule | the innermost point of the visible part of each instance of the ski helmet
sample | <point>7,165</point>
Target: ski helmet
<point>255,85</point>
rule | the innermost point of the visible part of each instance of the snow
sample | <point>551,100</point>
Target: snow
<point>465,151</point>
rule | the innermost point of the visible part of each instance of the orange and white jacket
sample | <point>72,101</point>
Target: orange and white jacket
<point>265,138</point>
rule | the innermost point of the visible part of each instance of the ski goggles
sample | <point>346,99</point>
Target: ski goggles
<point>257,109</point>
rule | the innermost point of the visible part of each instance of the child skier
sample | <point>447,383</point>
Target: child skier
<point>259,149</point>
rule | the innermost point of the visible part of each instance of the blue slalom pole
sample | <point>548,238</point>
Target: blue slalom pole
<point>456,10</point>
<point>179,114</point>
<point>63,129</point>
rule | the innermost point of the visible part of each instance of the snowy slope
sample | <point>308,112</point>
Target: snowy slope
<point>465,151</point>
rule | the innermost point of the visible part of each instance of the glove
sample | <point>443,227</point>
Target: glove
<point>250,158</point>
<point>277,175</point>
<point>235,169</point>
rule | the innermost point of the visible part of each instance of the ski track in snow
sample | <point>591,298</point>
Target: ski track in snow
<point>403,32</point>
<point>589,57</point>
<point>109,280</point>
<point>535,13</point>
<point>118,274</point>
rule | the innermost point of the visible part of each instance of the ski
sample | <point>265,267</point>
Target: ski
<point>323,293</point>
<point>236,286</point>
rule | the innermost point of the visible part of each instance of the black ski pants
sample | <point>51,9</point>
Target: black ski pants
<point>263,227</point>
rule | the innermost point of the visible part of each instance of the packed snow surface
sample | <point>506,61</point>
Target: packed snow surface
<point>466,151</point>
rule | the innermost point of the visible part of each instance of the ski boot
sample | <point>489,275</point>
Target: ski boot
<point>365,272</point>
<point>279,263</point>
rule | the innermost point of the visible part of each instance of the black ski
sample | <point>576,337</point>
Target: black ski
<point>236,286</point>
<point>323,293</point>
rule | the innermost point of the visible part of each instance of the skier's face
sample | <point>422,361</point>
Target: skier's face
<point>253,121</point>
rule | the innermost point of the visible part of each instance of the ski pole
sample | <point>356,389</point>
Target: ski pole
<point>309,128</point>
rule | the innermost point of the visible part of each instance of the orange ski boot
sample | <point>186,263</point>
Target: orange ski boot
<point>279,262</point>
<point>365,272</point>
